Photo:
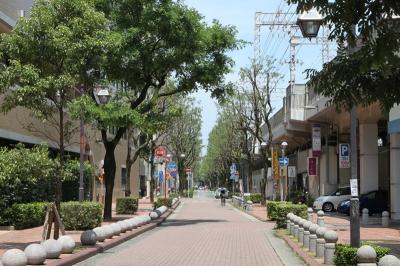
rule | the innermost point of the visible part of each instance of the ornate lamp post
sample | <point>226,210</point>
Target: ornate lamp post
<point>309,23</point>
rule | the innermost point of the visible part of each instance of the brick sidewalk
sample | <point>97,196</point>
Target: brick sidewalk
<point>201,232</point>
<point>21,238</point>
<point>389,237</point>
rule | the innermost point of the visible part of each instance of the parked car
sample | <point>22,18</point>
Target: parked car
<point>375,201</point>
<point>217,193</point>
<point>330,202</point>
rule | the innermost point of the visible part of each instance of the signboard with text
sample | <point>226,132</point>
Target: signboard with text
<point>292,171</point>
<point>316,140</point>
<point>275,163</point>
<point>354,187</point>
<point>344,155</point>
<point>312,166</point>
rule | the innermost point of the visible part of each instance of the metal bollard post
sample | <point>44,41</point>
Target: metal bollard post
<point>366,256</point>
<point>301,231</point>
<point>288,221</point>
<point>321,242</point>
<point>320,218</point>
<point>385,219</point>
<point>331,237</point>
<point>310,214</point>
<point>365,216</point>
<point>313,239</point>
<point>306,237</point>
<point>296,227</point>
<point>292,224</point>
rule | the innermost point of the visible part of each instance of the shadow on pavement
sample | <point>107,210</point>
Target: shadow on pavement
<point>183,222</point>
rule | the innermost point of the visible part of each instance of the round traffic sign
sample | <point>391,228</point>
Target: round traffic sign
<point>160,151</point>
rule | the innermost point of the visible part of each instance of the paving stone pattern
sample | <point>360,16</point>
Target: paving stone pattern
<point>200,232</point>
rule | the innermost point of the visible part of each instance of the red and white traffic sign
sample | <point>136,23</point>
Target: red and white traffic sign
<point>160,151</point>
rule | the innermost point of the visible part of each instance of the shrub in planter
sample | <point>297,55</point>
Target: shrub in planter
<point>184,193</point>
<point>25,176</point>
<point>127,205</point>
<point>254,197</point>
<point>160,202</point>
<point>81,215</point>
<point>277,211</point>
<point>346,255</point>
<point>28,215</point>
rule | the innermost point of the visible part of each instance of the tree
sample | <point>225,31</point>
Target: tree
<point>371,73</point>
<point>183,137</point>
<point>157,40</point>
<point>256,83</point>
<point>46,58</point>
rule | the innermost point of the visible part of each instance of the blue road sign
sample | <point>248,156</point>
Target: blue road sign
<point>233,169</point>
<point>283,161</point>
<point>172,166</point>
<point>161,176</point>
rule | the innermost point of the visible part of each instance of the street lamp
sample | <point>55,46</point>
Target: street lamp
<point>284,144</point>
<point>103,97</point>
<point>309,23</point>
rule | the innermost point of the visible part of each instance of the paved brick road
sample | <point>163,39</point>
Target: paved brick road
<point>200,232</point>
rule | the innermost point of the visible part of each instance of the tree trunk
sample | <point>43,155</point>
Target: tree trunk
<point>109,173</point>
<point>129,163</point>
<point>59,177</point>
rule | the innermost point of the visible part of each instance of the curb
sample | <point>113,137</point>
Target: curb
<point>99,248</point>
<point>300,252</point>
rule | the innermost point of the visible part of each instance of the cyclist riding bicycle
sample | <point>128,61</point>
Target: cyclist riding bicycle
<point>222,196</point>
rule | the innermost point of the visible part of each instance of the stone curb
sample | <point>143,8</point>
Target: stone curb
<point>300,252</point>
<point>92,251</point>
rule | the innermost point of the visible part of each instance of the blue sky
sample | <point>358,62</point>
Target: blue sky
<point>274,43</point>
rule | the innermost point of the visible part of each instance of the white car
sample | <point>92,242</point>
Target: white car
<point>329,203</point>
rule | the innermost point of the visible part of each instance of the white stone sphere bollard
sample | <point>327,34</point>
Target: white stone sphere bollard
<point>88,238</point>
<point>296,227</point>
<point>320,218</point>
<point>331,237</point>
<point>306,237</point>
<point>108,231</point>
<point>310,214</point>
<point>292,224</point>
<point>122,225</point>
<point>147,219</point>
<point>320,242</point>
<point>127,224</point>
<point>365,216</point>
<point>389,260</point>
<point>385,219</point>
<point>153,215</point>
<point>14,257</point>
<point>100,233</point>
<point>67,244</point>
<point>313,239</point>
<point>36,254</point>
<point>53,248</point>
<point>135,223</point>
<point>366,256</point>
<point>116,229</point>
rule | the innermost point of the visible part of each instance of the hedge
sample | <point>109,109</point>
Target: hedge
<point>184,193</point>
<point>127,205</point>
<point>254,197</point>
<point>346,255</point>
<point>277,211</point>
<point>28,215</point>
<point>160,202</point>
<point>81,215</point>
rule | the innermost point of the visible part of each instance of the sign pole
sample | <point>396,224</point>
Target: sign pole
<point>165,185</point>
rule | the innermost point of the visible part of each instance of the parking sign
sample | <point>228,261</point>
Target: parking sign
<point>344,155</point>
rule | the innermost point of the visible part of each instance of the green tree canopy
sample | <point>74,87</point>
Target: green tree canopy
<point>371,72</point>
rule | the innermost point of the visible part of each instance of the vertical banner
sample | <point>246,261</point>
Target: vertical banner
<point>312,166</point>
<point>275,163</point>
<point>316,140</point>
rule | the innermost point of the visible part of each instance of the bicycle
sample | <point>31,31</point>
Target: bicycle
<point>222,200</point>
